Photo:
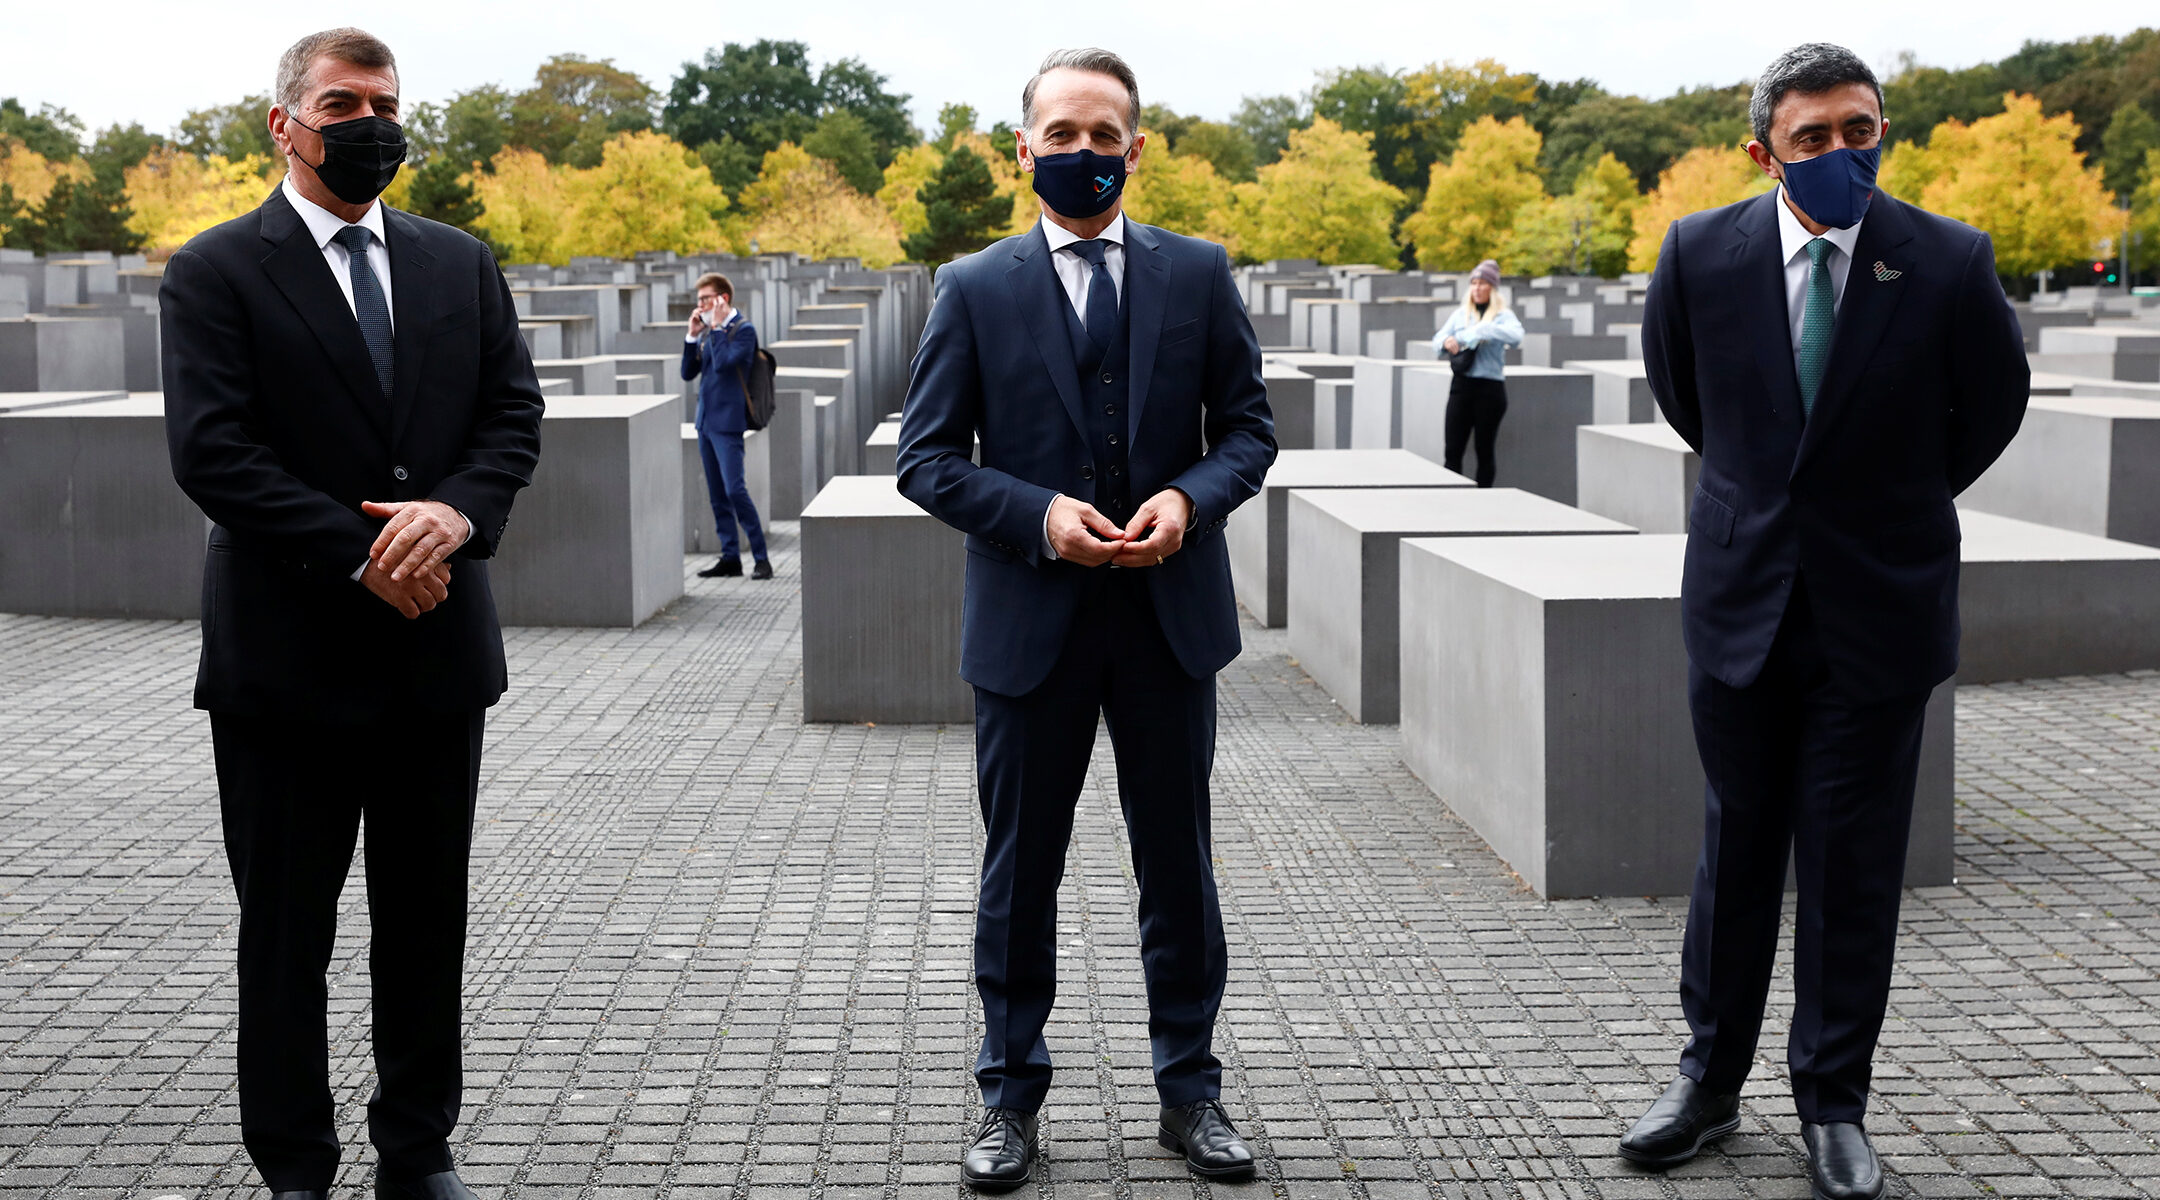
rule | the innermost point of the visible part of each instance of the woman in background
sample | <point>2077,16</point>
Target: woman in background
<point>1475,339</point>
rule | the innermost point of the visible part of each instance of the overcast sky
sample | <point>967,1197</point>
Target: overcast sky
<point>134,60</point>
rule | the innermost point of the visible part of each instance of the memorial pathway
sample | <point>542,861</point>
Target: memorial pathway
<point>717,953</point>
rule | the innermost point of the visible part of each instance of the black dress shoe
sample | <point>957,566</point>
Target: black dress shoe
<point>720,567</point>
<point>302,1194</point>
<point>443,1185</point>
<point>1201,1131</point>
<point>1686,1118</point>
<point>763,570</point>
<point>1841,1162</point>
<point>1001,1155</point>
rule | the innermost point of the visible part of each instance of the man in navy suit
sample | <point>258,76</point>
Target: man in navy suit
<point>1845,364</point>
<point>1114,380</point>
<point>720,345</point>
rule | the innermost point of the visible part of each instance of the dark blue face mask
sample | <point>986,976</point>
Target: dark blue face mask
<point>1834,188</point>
<point>1081,184</point>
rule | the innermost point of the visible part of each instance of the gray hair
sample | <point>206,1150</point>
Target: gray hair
<point>1809,69</point>
<point>296,69</point>
<point>1101,62</point>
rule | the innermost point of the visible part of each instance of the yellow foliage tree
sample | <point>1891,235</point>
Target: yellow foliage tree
<point>1320,200</point>
<point>1705,177</point>
<point>2145,217</point>
<point>801,203</point>
<point>650,192</point>
<point>910,170</point>
<point>1184,195</point>
<point>175,195</point>
<point>2017,176</point>
<point>1473,199</point>
<point>527,207</point>
<point>32,175</point>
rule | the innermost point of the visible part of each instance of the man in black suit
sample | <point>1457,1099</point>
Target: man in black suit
<point>1845,364</point>
<point>1114,381</point>
<point>348,399</point>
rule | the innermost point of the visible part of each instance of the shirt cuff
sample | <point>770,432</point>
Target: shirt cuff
<point>689,339</point>
<point>1049,550</point>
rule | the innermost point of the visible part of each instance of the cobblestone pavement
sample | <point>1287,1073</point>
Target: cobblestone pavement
<point>716,952</point>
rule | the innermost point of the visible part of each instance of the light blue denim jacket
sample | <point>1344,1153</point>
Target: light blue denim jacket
<point>1489,338</point>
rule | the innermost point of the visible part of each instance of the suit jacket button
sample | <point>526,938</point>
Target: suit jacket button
<point>1113,439</point>
<point>1087,472</point>
<point>1108,378</point>
<point>398,473</point>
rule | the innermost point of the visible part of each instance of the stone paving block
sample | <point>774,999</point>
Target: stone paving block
<point>1259,531</point>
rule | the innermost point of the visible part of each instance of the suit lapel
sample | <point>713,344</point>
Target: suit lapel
<point>1042,303</point>
<point>295,265</point>
<point>1863,314</point>
<point>409,293</point>
<point>1147,292</point>
<point>1759,260</point>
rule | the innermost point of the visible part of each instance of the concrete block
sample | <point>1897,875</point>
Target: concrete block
<point>1536,444</point>
<point>1291,400</point>
<point>1619,391</point>
<point>25,401</point>
<point>63,354</point>
<point>1548,709</point>
<point>1640,475</point>
<point>2117,349</point>
<point>793,452</point>
<point>602,304</point>
<point>1552,349</point>
<point>598,537</point>
<point>2087,463</point>
<point>881,595</point>
<point>1343,573</point>
<point>882,452</point>
<point>96,527</point>
<point>1332,412</point>
<point>1376,400</point>
<point>1258,534</point>
<point>543,339</point>
<point>1319,366</point>
<point>592,376</point>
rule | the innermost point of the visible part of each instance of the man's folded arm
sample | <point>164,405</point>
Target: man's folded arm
<point>236,480</point>
<point>504,445</point>
<point>1990,378</point>
<point>1240,428</point>
<point>937,441</point>
<point>1669,348</point>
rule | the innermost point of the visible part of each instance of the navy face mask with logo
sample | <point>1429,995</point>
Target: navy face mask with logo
<point>360,156</point>
<point>1834,188</point>
<point>1081,184</point>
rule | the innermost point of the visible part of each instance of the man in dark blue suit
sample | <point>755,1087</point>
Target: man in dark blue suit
<point>1845,364</point>
<point>720,346</point>
<point>1114,380</point>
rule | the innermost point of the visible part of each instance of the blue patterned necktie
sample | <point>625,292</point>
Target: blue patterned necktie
<point>1101,295</point>
<point>1815,324</point>
<point>368,303</point>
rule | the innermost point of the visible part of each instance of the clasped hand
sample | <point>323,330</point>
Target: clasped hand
<point>406,566</point>
<point>1157,530</point>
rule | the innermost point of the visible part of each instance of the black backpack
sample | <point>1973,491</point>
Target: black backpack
<point>757,388</point>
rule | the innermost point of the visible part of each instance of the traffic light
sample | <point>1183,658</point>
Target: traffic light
<point>2105,275</point>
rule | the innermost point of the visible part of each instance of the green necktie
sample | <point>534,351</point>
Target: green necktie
<point>1815,321</point>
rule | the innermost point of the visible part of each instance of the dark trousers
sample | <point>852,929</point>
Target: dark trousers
<point>1474,406</point>
<point>1794,765</point>
<point>729,493</point>
<point>293,794</point>
<point>1031,757</point>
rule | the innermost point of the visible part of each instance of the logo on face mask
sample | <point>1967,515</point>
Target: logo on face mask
<point>1081,184</point>
<point>1834,188</point>
<point>359,157</point>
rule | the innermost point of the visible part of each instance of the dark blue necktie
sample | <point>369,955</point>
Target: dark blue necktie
<point>1102,293</point>
<point>368,303</point>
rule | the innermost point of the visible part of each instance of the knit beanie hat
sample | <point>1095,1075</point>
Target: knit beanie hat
<point>1489,271</point>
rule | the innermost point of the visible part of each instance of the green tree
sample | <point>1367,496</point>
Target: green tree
<point>760,95</point>
<point>231,131</point>
<point>962,209</point>
<point>842,139</point>
<point>1322,199</point>
<point>51,131</point>
<point>733,165</point>
<point>14,229</point>
<point>851,87</point>
<point>89,214</point>
<point>442,192</point>
<point>469,130</point>
<point>1267,122</point>
<point>1223,147</point>
<point>953,120</point>
<point>1444,99</point>
<point>575,106</point>
<point>120,147</point>
<point>1376,102</point>
<point>2131,135</point>
<point>2144,229</point>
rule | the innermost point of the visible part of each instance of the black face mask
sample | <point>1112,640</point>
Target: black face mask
<point>360,156</point>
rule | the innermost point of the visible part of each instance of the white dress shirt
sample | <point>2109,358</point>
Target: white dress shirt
<point>324,225</point>
<point>1076,275</point>
<point>1794,238</point>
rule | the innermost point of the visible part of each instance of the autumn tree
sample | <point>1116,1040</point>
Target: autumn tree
<point>1181,193</point>
<point>648,193</point>
<point>525,207</point>
<point>575,106</point>
<point>2144,231</point>
<point>1472,200</point>
<point>910,170</point>
<point>230,131</point>
<point>1705,177</point>
<point>962,211</point>
<point>176,195</point>
<point>1321,199</point>
<point>800,203</point>
<point>1585,231</point>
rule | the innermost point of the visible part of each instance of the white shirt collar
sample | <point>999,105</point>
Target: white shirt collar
<point>324,224</point>
<point>1794,237</point>
<point>1060,237</point>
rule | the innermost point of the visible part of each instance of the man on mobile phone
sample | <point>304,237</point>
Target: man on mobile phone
<point>720,345</point>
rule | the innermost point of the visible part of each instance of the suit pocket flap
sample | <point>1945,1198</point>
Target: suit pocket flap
<point>1710,517</point>
<point>462,315</point>
<point>1182,331</point>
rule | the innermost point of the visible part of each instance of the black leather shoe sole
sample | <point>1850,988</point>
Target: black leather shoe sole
<point>1881,1189</point>
<point>1658,1162</point>
<point>1170,1141</point>
<point>983,1184</point>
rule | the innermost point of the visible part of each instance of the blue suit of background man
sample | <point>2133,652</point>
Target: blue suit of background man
<point>1170,397</point>
<point>717,359</point>
<point>1819,602</point>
